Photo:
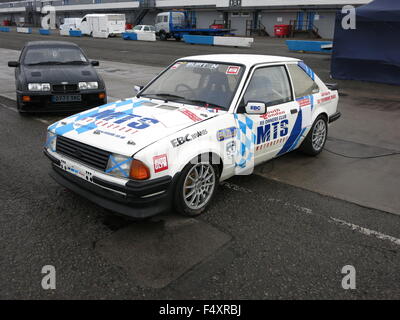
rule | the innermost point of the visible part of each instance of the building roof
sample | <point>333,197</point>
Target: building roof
<point>246,59</point>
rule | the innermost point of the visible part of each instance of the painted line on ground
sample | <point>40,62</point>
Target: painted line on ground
<point>47,122</point>
<point>367,232</point>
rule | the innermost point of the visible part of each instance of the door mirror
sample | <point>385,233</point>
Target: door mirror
<point>94,63</point>
<point>138,88</point>
<point>13,64</point>
<point>255,108</point>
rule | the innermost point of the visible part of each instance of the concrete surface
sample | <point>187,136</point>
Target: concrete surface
<point>155,254</point>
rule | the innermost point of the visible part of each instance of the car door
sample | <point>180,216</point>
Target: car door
<point>306,91</point>
<point>270,131</point>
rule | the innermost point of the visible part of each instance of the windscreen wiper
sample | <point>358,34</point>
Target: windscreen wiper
<point>44,62</point>
<point>206,104</point>
<point>166,95</point>
<point>74,62</point>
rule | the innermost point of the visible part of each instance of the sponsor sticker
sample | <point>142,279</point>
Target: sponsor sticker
<point>226,133</point>
<point>304,102</point>
<point>160,163</point>
<point>233,70</point>
<point>190,115</point>
<point>189,137</point>
<point>203,65</point>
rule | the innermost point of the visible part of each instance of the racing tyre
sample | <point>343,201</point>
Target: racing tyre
<point>315,141</point>
<point>163,36</point>
<point>196,188</point>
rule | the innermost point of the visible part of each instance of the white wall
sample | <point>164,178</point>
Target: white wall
<point>325,24</point>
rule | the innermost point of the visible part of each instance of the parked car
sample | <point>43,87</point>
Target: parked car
<point>141,28</point>
<point>201,121</point>
<point>56,76</point>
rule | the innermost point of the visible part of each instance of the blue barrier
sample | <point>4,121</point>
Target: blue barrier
<point>45,32</point>
<point>129,36</point>
<point>198,39</point>
<point>4,29</point>
<point>75,33</point>
<point>309,46</point>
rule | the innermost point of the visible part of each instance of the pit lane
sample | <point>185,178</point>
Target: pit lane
<point>271,239</point>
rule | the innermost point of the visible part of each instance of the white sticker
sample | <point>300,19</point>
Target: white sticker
<point>233,70</point>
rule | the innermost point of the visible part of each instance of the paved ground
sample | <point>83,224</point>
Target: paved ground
<point>268,239</point>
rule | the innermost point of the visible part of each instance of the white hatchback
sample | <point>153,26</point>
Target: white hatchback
<point>201,121</point>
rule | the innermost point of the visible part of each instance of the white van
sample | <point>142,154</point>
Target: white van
<point>70,24</point>
<point>103,25</point>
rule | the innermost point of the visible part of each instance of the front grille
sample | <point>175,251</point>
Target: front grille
<point>89,155</point>
<point>65,88</point>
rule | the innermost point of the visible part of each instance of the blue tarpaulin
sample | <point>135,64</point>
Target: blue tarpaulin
<point>371,52</point>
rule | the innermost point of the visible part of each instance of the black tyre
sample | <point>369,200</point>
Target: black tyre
<point>315,141</point>
<point>163,36</point>
<point>196,187</point>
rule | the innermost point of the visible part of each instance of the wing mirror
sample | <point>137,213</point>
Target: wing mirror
<point>13,64</point>
<point>138,89</point>
<point>94,63</point>
<point>255,108</point>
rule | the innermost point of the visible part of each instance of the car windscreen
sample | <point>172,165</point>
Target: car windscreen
<point>54,55</point>
<point>200,83</point>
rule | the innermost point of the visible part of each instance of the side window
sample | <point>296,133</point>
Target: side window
<point>269,85</point>
<point>165,18</point>
<point>302,83</point>
<point>146,29</point>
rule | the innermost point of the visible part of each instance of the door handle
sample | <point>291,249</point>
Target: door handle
<point>293,111</point>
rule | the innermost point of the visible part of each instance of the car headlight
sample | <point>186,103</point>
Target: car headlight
<point>88,85</point>
<point>119,165</point>
<point>51,141</point>
<point>39,86</point>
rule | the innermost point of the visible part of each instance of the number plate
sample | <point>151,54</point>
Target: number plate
<point>77,170</point>
<point>70,98</point>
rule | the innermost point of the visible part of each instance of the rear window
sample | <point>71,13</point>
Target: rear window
<point>302,83</point>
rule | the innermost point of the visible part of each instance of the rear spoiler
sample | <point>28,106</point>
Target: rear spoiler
<point>332,86</point>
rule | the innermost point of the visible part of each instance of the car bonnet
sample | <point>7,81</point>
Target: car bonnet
<point>127,126</point>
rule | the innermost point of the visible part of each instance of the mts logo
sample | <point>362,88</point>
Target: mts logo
<point>272,131</point>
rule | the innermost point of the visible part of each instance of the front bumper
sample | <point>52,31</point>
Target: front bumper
<point>136,199</point>
<point>41,102</point>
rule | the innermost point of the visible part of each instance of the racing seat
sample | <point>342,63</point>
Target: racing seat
<point>217,90</point>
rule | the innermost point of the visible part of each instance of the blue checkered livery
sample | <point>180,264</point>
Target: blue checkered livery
<point>246,141</point>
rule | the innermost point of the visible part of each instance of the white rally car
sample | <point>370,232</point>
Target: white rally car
<point>201,121</point>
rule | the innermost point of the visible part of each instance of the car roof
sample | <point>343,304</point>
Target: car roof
<point>246,59</point>
<point>50,43</point>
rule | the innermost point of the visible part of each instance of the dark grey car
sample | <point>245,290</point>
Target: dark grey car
<point>56,76</point>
